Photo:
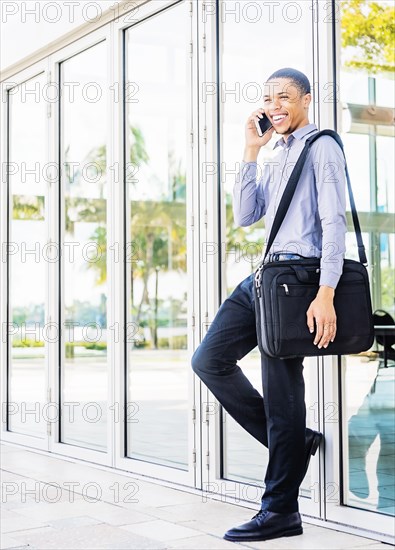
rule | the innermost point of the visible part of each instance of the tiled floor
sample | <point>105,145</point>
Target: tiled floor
<point>42,508</point>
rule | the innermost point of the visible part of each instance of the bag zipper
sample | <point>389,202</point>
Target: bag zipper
<point>258,280</point>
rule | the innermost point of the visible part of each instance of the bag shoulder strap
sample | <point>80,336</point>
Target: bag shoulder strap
<point>291,186</point>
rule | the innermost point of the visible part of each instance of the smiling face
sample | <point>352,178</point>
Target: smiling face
<point>285,105</point>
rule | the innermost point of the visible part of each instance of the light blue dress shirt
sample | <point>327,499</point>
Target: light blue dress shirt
<point>315,224</point>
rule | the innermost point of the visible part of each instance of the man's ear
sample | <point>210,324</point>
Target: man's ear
<point>307,100</point>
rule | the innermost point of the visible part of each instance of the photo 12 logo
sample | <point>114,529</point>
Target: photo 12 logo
<point>67,11</point>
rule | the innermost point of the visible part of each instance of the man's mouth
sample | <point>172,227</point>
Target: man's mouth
<point>278,119</point>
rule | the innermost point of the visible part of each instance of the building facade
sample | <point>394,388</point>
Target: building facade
<point>120,144</point>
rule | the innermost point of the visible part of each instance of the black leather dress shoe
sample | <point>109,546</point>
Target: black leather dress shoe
<point>267,525</point>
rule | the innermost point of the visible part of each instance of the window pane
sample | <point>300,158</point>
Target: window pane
<point>370,435</point>
<point>84,266</point>
<point>385,174</point>
<point>356,148</point>
<point>157,132</point>
<point>27,265</point>
<point>369,378</point>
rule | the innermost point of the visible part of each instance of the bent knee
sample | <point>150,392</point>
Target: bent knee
<point>201,360</point>
<point>206,363</point>
<point>196,361</point>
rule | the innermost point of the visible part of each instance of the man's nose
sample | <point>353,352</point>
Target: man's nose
<point>275,104</point>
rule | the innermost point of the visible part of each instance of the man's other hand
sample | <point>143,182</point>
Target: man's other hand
<point>322,310</point>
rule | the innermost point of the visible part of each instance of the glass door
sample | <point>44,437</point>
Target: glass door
<point>159,281</point>
<point>243,70</point>
<point>366,475</point>
<point>24,331</point>
<point>81,385</point>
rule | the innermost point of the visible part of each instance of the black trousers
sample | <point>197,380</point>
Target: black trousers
<point>278,420</point>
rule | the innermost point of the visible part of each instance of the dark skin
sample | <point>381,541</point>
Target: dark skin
<point>282,97</point>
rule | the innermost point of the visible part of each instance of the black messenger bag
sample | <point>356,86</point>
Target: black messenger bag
<point>284,290</point>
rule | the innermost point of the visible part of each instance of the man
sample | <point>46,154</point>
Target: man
<point>315,225</point>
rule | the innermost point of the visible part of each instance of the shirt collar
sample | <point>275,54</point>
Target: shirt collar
<point>296,134</point>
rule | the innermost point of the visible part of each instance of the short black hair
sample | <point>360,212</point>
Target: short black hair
<point>298,78</point>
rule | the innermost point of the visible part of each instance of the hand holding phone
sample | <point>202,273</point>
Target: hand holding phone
<point>258,130</point>
<point>263,125</point>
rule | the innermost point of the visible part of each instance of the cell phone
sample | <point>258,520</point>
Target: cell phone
<point>263,125</point>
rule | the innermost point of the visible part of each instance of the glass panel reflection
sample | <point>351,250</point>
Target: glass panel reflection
<point>371,435</point>
<point>368,134</point>
<point>83,157</point>
<point>26,258</point>
<point>157,376</point>
<point>244,69</point>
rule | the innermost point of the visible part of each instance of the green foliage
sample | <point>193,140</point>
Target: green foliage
<point>138,153</point>
<point>99,236</point>
<point>70,347</point>
<point>27,343</point>
<point>102,346</point>
<point>28,207</point>
<point>387,289</point>
<point>158,228</point>
<point>370,28</point>
<point>174,342</point>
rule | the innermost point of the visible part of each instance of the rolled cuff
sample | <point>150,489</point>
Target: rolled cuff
<point>329,278</point>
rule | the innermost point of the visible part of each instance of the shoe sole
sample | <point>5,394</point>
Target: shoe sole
<point>313,449</point>
<point>315,444</point>
<point>290,533</point>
